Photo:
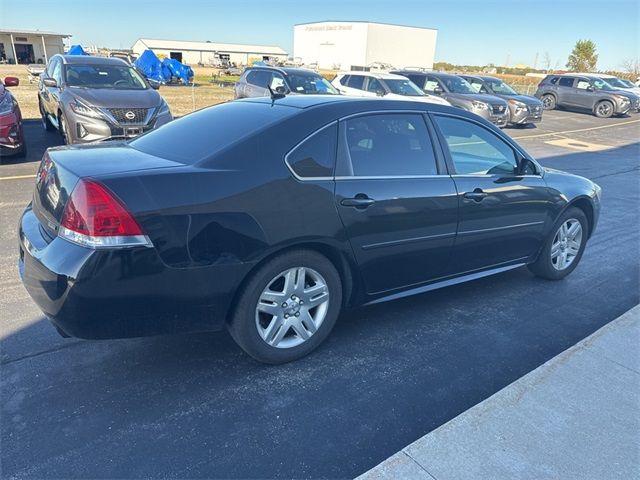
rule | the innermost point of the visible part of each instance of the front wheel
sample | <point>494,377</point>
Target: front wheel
<point>288,307</point>
<point>604,109</point>
<point>564,247</point>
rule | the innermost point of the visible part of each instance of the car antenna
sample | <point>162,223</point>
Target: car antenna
<point>275,95</point>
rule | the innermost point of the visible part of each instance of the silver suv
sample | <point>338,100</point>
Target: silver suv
<point>97,98</point>
<point>256,82</point>
<point>457,91</point>
<point>585,93</point>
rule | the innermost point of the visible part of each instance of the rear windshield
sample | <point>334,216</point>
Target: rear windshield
<point>202,134</point>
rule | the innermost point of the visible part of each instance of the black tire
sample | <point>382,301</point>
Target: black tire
<point>64,129</point>
<point>543,267</point>
<point>46,124</point>
<point>604,109</point>
<point>243,326</point>
<point>548,102</point>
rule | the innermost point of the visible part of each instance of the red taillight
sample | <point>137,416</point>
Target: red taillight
<point>94,216</point>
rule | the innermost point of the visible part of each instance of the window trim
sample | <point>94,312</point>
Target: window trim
<point>508,140</point>
<point>440,161</point>
<point>293,149</point>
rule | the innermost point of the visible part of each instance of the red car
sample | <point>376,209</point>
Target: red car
<point>11,133</point>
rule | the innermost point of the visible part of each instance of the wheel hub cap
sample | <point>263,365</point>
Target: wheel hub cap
<point>292,307</point>
<point>566,244</point>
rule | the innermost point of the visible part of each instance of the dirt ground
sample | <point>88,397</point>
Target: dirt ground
<point>181,99</point>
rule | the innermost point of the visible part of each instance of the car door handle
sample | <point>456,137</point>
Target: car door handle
<point>477,195</point>
<point>359,201</point>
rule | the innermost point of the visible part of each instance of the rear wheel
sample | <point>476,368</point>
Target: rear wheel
<point>564,247</point>
<point>548,102</point>
<point>604,109</point>
<point>288,308</point>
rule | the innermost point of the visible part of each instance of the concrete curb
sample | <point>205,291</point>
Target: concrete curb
<point>576,416</point>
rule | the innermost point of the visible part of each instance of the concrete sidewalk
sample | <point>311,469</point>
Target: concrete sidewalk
<point>575,417</point>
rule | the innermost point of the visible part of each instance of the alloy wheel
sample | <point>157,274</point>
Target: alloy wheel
<point>604,109</point>
<point>292,307</point>
<point>566,244</point>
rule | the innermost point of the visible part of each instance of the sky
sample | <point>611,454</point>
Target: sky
<point>473,32</point>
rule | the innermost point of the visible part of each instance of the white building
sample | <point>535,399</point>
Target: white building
<point>30,46</point>
<point>208,53</point>
<point>343,45</point>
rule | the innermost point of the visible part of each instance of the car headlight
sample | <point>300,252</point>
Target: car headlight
<point>163,109</point>
<point>622,98</point>
<point>6,105</point>
<point>480,105</point>
<point>81,109</point>
<point>518,105</point>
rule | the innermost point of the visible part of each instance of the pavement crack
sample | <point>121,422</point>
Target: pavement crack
<point>613,174</point>
<point>37,354</point>
<point>419,464</point>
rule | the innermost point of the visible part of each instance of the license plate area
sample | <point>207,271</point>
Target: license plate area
<point>132,131</point>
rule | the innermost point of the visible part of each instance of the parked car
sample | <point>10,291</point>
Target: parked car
<point>286,212</point>
<point>617,83</point>
<point>585,93</point>
<point>523,109</point>
<point>457,91</point>
<point>11,132</point>
<point>387,85</point>
<point>98,98</point>
<point>256,81</point>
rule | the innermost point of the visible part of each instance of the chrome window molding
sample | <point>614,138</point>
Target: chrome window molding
<point>286,157</point>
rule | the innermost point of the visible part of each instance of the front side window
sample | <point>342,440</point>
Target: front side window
<point>498,86</point>
<point>457,85</point>
<point>310,84</point>
<point>374,86</point>
<point>475,150</point>
<point>477,86</point>
<point>404,87</point>
<point>315,156</point>
<point>432,84</point>
<point>119,77</point>
<point>419,80</point>
<point>386,145</point>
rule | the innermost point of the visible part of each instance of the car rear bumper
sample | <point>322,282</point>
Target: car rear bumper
<point>93,294</point>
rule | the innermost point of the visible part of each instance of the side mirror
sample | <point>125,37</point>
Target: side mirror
<point>11,81</point>
<point>438,91</point>
<point>381,93</point>
<point>525,167</point>
<point>49,82</point>
<point>590,89</point>
<point>154,84</point>
<point>281,89</point>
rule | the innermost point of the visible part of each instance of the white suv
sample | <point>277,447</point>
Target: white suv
<point>388,85</point>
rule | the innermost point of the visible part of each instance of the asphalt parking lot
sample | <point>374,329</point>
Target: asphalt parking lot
<point>194,406</point>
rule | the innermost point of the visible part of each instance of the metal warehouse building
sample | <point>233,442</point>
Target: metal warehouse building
<point>343,45</point>
<point>208,53</point>
<point>30,46</point>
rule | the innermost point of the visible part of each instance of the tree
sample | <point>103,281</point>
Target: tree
<point>632,67</point>
<point>547,61</point>
<point>583,58</point>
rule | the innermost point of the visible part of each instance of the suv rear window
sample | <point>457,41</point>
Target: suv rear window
<point>204,133</point>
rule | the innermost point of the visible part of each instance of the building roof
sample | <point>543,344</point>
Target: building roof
<point>364,21</point>
<point>211,47</point>
<point>33,32</point>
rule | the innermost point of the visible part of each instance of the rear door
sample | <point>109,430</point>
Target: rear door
<point>502,210</point>
<point>396,202</point>
<point>565,91</point>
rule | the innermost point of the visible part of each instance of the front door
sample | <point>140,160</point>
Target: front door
<point>398,210</point>
<point>503,209</point>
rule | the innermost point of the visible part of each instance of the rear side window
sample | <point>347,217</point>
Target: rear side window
<point>553,80</point>
<point>356,81</point>
<point>417,79</point>
<point>566,82</point>
<point>344,80</point>
<point>260,78</point>
<point>315,156</point>
<point>388,145</point>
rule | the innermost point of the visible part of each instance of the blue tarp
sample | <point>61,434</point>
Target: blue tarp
<point>76,50</point>
<point>178,70</point>
<point>151,67</point>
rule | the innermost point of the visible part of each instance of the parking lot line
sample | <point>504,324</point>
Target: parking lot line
<point>17,177</point>
<point>578,130</point>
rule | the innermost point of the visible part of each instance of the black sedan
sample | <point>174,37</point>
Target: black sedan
<point>270,216</point>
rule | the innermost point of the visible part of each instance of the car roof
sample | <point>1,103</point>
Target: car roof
<point>91,60</point>
<point>435,74</point>
<point>285,70</point>
<point>596,75</point>
<point>380,75</point>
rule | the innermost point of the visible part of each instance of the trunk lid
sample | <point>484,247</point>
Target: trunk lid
<point>61,168</point>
